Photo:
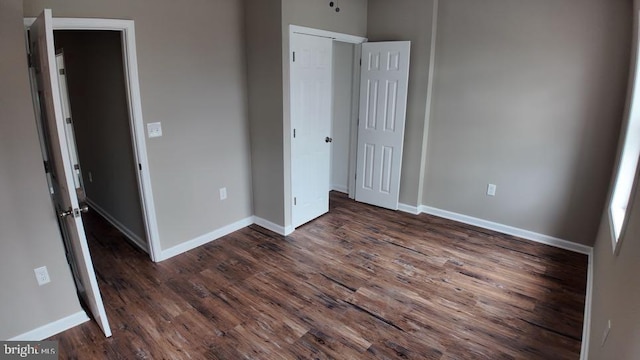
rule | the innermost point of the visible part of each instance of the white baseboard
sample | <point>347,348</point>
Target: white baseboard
<point>340,188</point>
<point>134,238</point>
<point>510,230</point>
<point>281,230</point>
<point>206,238</point>
<point>586,324</point>
<point>409,209</point>
<point>53,328</point>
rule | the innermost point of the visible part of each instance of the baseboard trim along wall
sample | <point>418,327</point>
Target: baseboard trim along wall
<point>135,239</point>
<point>281,230</point>
<point>53,328</point>
<point>586,323</point>
<point>506,229</point>
<point>408,209</point>
<point>268,225</point>
<point>206,238</point>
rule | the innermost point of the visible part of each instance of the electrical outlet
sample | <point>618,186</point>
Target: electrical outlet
<point>223,193</point>
<point>154,129</point>
<point>605,335</point>
<point>491,189</point>
<point>42,275</point>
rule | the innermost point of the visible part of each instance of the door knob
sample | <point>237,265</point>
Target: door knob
<point>328,139</point>
<point>66,213</point>
<point>84,208</point>
<point>74,212</point>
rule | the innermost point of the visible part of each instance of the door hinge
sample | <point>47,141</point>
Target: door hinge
<point>294,56</point>
<point>68,120</point>
<point>30,60</point>
<point>140,166</point>
<point>356,176</point>
<point>46,167</point>
<point>62,72</point>
<point>76,167</point>
<point>360,62</point>
<point>295,201</point>
<point>294,133</point>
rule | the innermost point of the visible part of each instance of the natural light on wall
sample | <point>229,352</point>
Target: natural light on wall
<point>627,169</point>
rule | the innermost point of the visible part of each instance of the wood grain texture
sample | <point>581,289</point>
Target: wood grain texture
<point>358,283</point>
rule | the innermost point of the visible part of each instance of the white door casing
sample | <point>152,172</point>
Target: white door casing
<point>42,47</point>
<point>384,82</point>
<point>311,76</point>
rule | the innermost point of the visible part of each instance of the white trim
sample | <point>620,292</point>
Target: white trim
<point>510,230</point>
<point>408,209</point>
<point>353,125</point>
<point>204,239</point>
<point>353,39</point>
<point>281,230</point>
<point>586,324</point>
<point>53,328</point>
<point>288,230</point>
<point>340,188</point>
<point>271,226</point>
<point>130,62</point>
<point>427,111</point>
<point>133,237</point>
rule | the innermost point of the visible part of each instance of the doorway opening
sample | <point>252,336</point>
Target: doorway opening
<point>344,123</point>
<point>93,90</point>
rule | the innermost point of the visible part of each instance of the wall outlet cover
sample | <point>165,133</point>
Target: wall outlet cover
<point>42,275</point>
<point>154,129</point>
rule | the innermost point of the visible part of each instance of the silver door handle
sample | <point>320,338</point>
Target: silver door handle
<point>74,212</point>
<point>328,139</point>
<point>66,213</point>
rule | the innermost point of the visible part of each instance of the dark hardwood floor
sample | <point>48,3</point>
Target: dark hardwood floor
<point>358,283</point>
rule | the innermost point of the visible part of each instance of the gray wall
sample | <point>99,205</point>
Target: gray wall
<point>29,235</point>
<point>398,21</point>
<point>616,289</point>
<point>352,20</point>
<point>97,91</point>
<point>528,96</point>
<point>264,73</point>
<point>191,62</point>
<point>341,122</point>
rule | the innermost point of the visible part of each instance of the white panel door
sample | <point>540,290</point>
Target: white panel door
<point>65,198</point>
<point>383,103</point>
<point>311,76</point>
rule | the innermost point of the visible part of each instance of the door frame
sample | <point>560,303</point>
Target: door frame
<point>287,126</point>
<point>136,123</point>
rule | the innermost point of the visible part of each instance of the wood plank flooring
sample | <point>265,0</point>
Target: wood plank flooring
<point>357,283</point>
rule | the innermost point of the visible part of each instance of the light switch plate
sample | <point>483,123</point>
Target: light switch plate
<point>154,129</point>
